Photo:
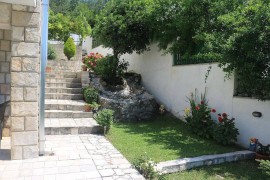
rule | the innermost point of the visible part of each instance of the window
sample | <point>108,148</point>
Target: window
<point>177,60</point>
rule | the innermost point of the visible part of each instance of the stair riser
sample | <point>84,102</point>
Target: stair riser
<point>67,91</point>
<point>64,96</point>
<point>64,107</point>
<point>62,80</point>
<point>73,130</point>
<point>68,115</point>
<point>63,85</point>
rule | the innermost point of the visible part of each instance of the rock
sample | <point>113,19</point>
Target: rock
<point>130,101</point>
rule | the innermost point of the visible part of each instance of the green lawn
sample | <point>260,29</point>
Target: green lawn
<point>165,138</point>
<point>243,170</point>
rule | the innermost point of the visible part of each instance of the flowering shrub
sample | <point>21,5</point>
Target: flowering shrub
<point>198,117</point>
<point>146,167</point>
<point>225,131</point>
<point>91,60</point>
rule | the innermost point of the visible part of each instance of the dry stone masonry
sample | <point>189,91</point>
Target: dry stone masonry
<point>131,102</point>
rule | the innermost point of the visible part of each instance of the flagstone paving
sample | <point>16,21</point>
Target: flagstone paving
<point>70,157</point>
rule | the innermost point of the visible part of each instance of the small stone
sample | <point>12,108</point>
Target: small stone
<point>7,35</point>
<point>24,79</point>
<point>25,49</point>
<point>5,89</point>
<point>20,18</point>
<point>24,138</point>
<point>2,56</point>
<point>24,109</point>
<point>30,64</point>
<point>5,67</point>
<point>5,11</point>
<point>18,33</point>
<point>16,94</point>
<point>16,64</point>
<point>32,34</point>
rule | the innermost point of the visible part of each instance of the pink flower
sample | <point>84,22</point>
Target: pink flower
<point>198,108</point>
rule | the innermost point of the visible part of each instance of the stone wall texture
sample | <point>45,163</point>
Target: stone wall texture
<point>5,56</point>
<point>24,79</point>
<point>59,49</point>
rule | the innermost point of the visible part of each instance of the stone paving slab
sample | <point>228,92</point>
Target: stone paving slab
<point>71,157</point>
<point>64,102</point>
<point>189,163</point>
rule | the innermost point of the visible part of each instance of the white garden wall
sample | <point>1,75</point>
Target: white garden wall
<point>172,84</point>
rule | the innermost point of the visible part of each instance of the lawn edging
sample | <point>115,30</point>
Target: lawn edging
<point>206,160</point>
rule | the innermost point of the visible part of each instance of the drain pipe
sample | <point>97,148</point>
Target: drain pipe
<point>43,64</point>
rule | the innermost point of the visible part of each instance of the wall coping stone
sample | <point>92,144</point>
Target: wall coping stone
<point>189,163</point>
<point>32,3</point>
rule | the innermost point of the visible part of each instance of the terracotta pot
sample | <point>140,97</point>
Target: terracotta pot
<point>87,108</point>
<point>262,157</point>
<point>48,69</point>
<point>84,68</point>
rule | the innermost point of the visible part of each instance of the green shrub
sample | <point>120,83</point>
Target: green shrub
<point>90,95</point>
<point>111,69</point>
<point>198,117</point>
<point>69,48</point>
<point>146,166</point>
<point>224,131</point>
<point>51,53</point>
<point>105,119</point>
<point>265,167</point>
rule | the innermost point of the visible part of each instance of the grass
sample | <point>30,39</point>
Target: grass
<point>164,138</point>
<point>242,170</point>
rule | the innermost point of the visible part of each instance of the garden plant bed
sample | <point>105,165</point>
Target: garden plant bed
<point>163,138</point>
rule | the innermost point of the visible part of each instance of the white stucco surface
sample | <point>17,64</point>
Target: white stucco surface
<point>172,84</point>
<point>21,2</point>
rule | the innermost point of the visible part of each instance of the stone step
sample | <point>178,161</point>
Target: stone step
<point>64,96</point>
<point>71,126</point>
<point>70,105</point>
<point>64,85</point>
<point>206,160</point>
<point>63,80</point>
<point>63,90</point>
<point>67,114</point>
<point>59,74</point>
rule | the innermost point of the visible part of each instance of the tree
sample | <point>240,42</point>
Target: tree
<point>123,26</point>
<point>69,48</point>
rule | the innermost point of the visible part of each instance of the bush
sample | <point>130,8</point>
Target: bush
<point>111,69</point>
<point>265,167</point>
<point>91,60</point>
<point>105,119</point>
<point>146,167</point>
<point>225,131</point>
<point>51,53</point>
<point>90,95</point>
<point>198,117</point>
<point>69,48</point>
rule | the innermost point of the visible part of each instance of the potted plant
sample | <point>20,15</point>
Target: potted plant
<point>262,152</point>
<point>87,108</point>
<point>84,67</point>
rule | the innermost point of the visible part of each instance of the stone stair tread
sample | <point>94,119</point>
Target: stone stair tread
<point>67,111</point>
<point>68,94</point>
<point>70,122</point>
<point>64,102</point>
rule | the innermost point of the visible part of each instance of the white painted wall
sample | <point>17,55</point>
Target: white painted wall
<point>172,84</point>
<point>87,44</point>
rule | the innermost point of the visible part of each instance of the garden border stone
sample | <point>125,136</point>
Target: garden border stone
<point>205,160</point>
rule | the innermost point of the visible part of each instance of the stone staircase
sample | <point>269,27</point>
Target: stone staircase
<point>64,105</point>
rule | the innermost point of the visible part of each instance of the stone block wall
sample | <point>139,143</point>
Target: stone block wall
<point>5,56</point>
<point>25,75</point>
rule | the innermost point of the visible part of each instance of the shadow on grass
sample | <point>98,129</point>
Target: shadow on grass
<point>171,133</point>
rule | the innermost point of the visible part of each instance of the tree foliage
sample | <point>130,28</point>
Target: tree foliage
<point>69,17</point>
<point>123,26</point>
<point>69,48</point>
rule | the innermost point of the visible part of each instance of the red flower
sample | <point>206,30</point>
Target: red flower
<point>213,110</point>
<point>224,115</point>
<point>202,102</point>
<point>197,108</point>
<point>220,119</point>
